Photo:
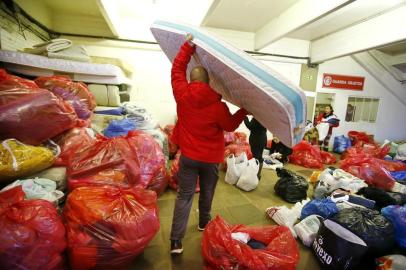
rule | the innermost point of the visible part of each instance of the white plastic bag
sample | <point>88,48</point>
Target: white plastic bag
<point>285,216</point>
<point>307,229</point>
<point>249,176</point>
<point>38,188</point>
<point>323,128</point>
<point>235,166</point>
<point>401,152</point>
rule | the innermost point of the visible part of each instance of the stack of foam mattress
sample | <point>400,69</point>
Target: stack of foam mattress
<point>38,65</point>
<point>273,100</point>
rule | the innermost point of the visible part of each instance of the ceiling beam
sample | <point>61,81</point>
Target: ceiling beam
<point>378,31</point>
<point>297,16</point>
<point>106,17</point>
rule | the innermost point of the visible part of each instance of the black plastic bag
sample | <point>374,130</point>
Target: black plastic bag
<point>372,227</point>
<point>381,197</point>
<point>337,248</point>
<point>290,186</point>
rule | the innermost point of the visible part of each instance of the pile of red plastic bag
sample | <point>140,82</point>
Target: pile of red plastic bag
<point>107,227</point>
<point>310,156</point>
<point>221,251</point>
<point>32,233</point>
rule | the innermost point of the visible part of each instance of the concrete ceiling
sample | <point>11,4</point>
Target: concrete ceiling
<point>244,15</point>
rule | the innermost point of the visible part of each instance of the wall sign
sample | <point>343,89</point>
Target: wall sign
<point>343,82</point>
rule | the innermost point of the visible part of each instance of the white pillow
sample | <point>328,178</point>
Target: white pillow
<point>100,93</point>
<point>113,95</point>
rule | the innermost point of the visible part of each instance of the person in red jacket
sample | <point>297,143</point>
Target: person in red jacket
<point>199,133</point>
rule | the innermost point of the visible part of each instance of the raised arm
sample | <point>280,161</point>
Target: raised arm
<point>179,67</point>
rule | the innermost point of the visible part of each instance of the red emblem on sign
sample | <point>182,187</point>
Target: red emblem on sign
<point>343,82</point>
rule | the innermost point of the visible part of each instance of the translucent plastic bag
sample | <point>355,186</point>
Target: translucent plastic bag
<point>341,143</point>
<point>34,115</point>
<point>71,141</point>
<point>119,128</point>
<point>18,159</point>
<point>159,182</point>
<point>64,82</point>
<point>79,105</point>
<point>149,155</point>
<point>38,188</point>
<point>249,176</point>
<point>357,137</point>
<point>324,208</point>
<point>107,227</point>
<point>235,167</point>
<point>221,251</point>
<point>8,81</point>
<point>106,161</point>
<point>397,215</point>
<point>32,234</point>
<point>236,150</point>
<point>306,155</point>
<point>327,158</point>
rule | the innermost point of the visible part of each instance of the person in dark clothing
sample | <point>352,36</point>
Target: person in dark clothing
<point>257,140</point>
<point>278,147</point>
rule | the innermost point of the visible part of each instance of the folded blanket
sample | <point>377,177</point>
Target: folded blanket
<point>75,53</point>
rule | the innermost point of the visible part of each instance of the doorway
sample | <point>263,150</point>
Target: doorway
<point>322,100</point>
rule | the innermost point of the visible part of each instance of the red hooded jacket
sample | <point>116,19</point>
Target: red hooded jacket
<point>202,117</point>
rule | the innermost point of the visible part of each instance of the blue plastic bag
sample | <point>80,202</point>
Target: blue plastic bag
<point>397,215</point>
<point>117,111</point>
<point>325,208</point>
<point>399,175</point>
<point>341,143</point>
<point>119,128</point>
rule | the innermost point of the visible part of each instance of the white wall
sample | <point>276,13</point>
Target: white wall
<point>391,112</point>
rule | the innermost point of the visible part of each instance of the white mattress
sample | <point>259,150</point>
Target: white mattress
<point>37,65</point>
<point>242,80</point>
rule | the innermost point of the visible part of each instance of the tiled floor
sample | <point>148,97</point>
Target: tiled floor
<point>235,206</point>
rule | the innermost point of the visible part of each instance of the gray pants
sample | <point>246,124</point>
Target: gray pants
<point>189,171</point>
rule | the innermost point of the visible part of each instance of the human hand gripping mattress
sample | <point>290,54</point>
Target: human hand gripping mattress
<point>274,101</point>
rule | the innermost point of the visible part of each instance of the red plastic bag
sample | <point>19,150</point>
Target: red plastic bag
<point>159,182</point>
<point>173,148</point>
<point>33,115</point>
<point>366,149</point>
<point>306,155</point>
<point>70,142</point>
<point>221,251</point>
<point>108,227</point>
<point>234,137</point>
<point>173,174</point>
<point>328,158</point>
<point>32,234</point>
<point>107,161</point>
<point>150,156</point>
<point>64,82</point>
<point>359,137</point>
<point>269,143</point>
<point>372,170</point>
<point>8,81</point>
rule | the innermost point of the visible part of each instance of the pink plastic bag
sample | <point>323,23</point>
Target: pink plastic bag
<point>221,251</point>
<point>306,155</point>
<point>33,115</point>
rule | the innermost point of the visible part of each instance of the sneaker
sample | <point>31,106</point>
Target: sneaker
<point>201,227</point>
<point>176,247</point>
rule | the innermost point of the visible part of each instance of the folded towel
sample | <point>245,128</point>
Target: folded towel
<point>53,45</point>
<point>74,53</point>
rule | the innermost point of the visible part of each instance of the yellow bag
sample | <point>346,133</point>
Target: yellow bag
<point>18,159</point>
